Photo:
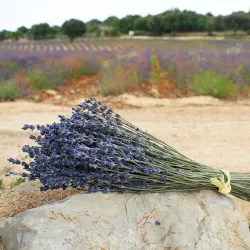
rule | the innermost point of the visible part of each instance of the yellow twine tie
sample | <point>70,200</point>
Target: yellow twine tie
<point>223,183</point>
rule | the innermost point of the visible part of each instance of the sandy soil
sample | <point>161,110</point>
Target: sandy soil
<point>209,131</point>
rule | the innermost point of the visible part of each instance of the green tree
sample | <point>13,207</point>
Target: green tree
<point>16,35</point>
<point>112,21</point>
<point>181,21</point>
<point>237,20</point>
<point>210,25</point>
<point>127,23</point>
<point>93,26</point>
<point>141,24</point>
<point>173,21</point>
<point>74,28</point>
<point>155,25</point>
<point>219,23</point>
<point>40,31</point>
<point>113,32</point>
<point>55,30</point>
<point>209,14</point>
<point>22,31</point>
<point>201,23</point>
<point>2,35</point>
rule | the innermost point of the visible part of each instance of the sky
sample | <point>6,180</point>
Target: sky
<point>16,13</point>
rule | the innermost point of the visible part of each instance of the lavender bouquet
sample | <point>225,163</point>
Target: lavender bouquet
<point>97,149</point>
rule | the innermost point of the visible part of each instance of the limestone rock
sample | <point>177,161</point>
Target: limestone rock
<point>197,220</point>
<point>154,92</point>
<point>51,92</point>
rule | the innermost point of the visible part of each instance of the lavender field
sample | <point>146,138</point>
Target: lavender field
<point>217,68</point>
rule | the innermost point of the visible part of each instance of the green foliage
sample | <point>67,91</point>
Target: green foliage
<point>74,28</point>
<point>112,21</point>
<point>219,23</point>
<point>2,35</point>
<point>237,20</point>
<point>98,32</point>
<point>141,24</point>
<point>183,21</point>
<point>16,35</point>
<point>212,83</point>
<point>126,24</point>
<point>77,68</point>
<point>155,66</point>
<point>156,25</point>
<point>40,31</point>
<point>19,181</point>
<point>210,25</point>
<point>117,79</point>
<point>92,26</point>
<point>9,90</point>
<point>39,79</point>
<point>244,73</point>
<point>1,183</point>
<point>22,30</point>
<point>201,23</point>
<point>56,30</point>
<point>113,32</point>
<point>10,67</point>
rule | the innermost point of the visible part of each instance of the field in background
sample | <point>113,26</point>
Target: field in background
<point>162,68</point>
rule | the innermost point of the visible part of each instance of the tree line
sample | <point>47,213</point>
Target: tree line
<point>170,22</point>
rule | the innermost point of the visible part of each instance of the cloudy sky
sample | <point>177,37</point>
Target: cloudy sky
<point>15,13</point>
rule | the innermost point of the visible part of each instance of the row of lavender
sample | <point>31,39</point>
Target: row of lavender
<point>206,66</point>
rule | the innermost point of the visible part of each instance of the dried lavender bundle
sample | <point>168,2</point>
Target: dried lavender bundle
<point>97,149</point>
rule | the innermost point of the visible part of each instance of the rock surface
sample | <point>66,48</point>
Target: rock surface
<point>198,220</point>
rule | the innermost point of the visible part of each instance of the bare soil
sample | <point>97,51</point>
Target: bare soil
<point>207,130</point>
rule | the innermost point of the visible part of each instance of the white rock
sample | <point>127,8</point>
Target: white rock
<point>198,220</point>
<point>51,92</point>
<point>154,92</point>
<point>58,97</point>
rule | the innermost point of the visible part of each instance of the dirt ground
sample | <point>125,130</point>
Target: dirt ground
<point>205,129</point>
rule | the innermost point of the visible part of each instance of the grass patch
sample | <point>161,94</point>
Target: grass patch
<point>10,67</point>
<point>82,70</point>
<point>9,90</point>
<point>214,84</point>
<point>155,66</point>
<point>39,79</point>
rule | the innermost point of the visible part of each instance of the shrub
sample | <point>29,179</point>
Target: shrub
<point>9,90</point>
<point>39,79</point>
<point>114,32</point>
<point>155,66</point>
<point>10,67</point>
<point>72,67</point>
<point>214,84</point>
<point>117,79</point>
